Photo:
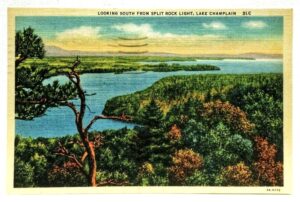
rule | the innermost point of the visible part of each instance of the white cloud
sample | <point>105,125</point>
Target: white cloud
<point>214,25</point>
<point>147,30</point>
<point>141,30</point>
<point>254,24</point>
<point>83,32</point>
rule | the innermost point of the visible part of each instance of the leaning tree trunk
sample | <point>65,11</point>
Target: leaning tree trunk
<point>93,165</point>
<point>89,146</point>
<point>83,132</point>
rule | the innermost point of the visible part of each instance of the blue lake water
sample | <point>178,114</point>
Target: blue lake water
<point>60,121</point>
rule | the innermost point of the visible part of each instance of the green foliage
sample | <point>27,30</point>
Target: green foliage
<point>152,180</point>
<point>266,113</point>
<point>112,178</point>
<point>199,178</point>
<point>28,45</point>
<point>173,92</point>
<point>218,145</point>
<point>152,116</point>
<point>118,64</point>
<point>31,161</point>
<point>180,114</point>
<point>165,67</point>
<point>149,175</point>
<point>23,174</point>
<point>117,154</point>
<point>263,102</point>
<point>32,96</point>
<point>181,117</point>
<point>152,146</point>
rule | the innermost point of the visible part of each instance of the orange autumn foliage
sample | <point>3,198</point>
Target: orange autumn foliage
<point>237,175</point>
<point>184,163</point>
<point>229,114</point>
<point>269,172</point>
<point>175,133</point>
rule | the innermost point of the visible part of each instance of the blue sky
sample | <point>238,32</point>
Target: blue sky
<point>169,34</point>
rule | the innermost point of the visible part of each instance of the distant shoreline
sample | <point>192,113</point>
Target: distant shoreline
<point>54,51</point>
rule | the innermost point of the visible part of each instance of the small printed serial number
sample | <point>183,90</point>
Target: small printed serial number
<point>274,189</point>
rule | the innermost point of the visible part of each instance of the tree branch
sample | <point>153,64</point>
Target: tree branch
<point>19,60</point>
<point>71,106</point>
<point>42,101</point>
<point>62,151</point>
<point>119,118</point>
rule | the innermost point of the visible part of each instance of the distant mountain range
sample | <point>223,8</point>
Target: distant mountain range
<point>56,51</point>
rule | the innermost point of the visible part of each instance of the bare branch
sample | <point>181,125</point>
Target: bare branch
<point>89,109</point>
<point>42,101</point>
<point>62,151</point>
<point>84,155</point>
<point>71,106</point>
<point>123,117</point>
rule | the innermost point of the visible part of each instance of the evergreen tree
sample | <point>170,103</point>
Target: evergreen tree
<point>28,45</point>
<point>152,116</point>
<point>32,96</point>
<point>152,143</point>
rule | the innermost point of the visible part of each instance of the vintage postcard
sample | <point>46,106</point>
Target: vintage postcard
<point>149,101</point>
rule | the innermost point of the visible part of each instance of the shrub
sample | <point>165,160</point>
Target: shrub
<point>237,175</point>
<point>184,163</point>
<point>268,171</point>
<point>229,114</point>
<point>175,133</point>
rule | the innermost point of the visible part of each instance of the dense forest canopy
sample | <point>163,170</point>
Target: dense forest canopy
<point>215,130</point>
<point>258,96</point>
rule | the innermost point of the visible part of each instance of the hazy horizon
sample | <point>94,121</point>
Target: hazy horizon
<point>174,35</point>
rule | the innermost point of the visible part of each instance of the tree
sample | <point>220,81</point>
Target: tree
<point>147,176</point>
<point>218,145</point>
<point>175,133</point>
<point>184,163</point>
<point>23,174</point>
<point>268,171</point>
<point>33,98</point>
<point>264,106</point>
<point>233,116</point>
<point>69,174</point>
<point>151,141</point>
<point>152,116</point>
<point>28,45</point>
<point>237,175</point>
<point>152,146</point>
<point>267,114</point>
<point>88,144</point>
